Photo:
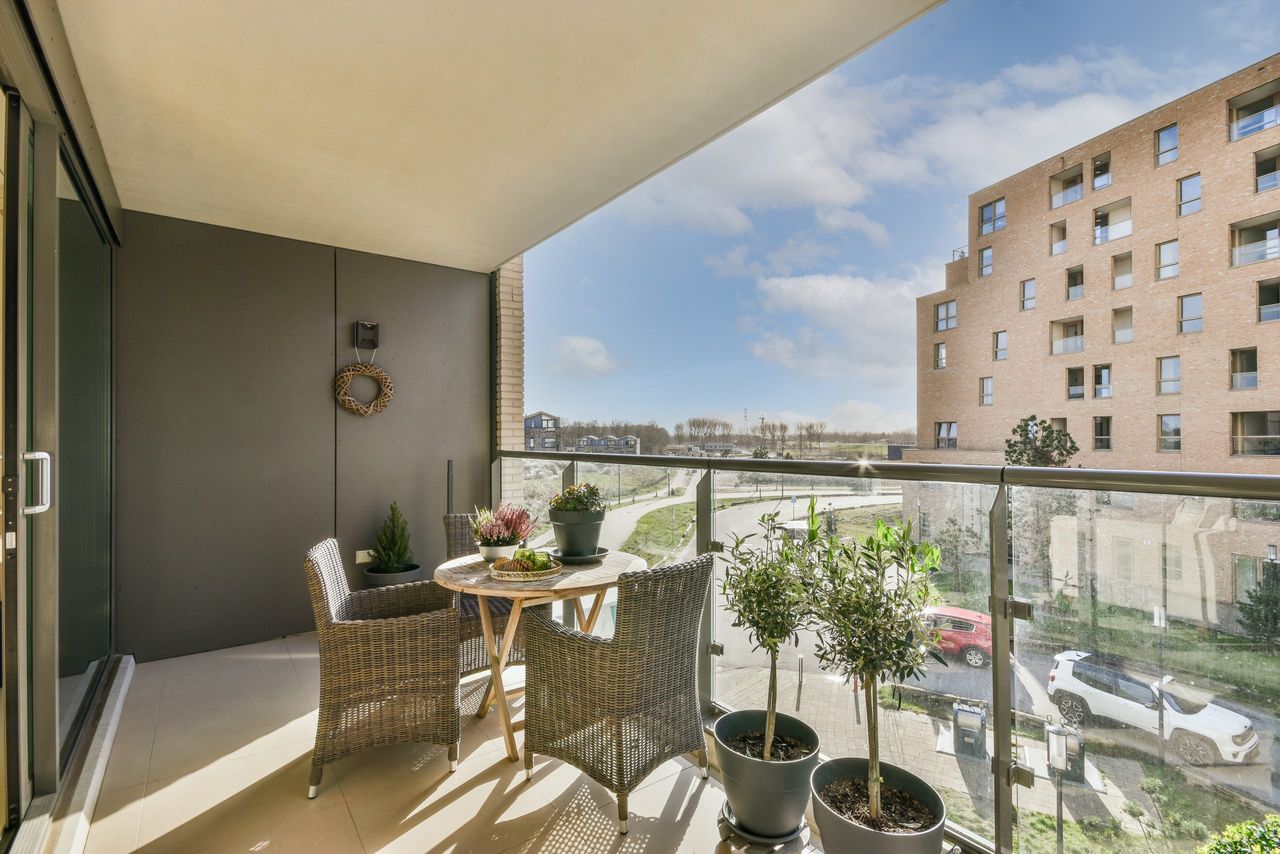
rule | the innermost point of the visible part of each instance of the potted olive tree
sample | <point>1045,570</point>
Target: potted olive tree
<point>577,515</point>
<point>869,611</point>
<point>766,757</point>
<point>392,554</point>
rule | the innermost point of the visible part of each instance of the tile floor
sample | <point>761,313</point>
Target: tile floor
<point>213,754</point>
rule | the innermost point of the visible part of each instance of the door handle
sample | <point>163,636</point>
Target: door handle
<point>46,482</point>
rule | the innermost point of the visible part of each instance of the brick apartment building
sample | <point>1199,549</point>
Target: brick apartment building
<point>1128,288</point>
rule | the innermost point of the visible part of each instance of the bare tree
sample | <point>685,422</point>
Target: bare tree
<point>783,428</point>
<point>819,428</point>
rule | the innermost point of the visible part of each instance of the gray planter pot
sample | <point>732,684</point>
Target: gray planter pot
<point>577,531</point>
<point>373,578</point>
<point>767,798</point>
<point>841,835</point>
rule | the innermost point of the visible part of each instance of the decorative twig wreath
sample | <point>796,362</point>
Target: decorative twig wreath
<point>342,385</point>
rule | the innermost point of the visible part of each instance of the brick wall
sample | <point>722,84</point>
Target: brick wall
<point>508,307</point>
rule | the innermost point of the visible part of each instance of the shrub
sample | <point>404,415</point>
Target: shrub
<point>1248,837</point>
<point>581,497</point>
<point>392,552</point>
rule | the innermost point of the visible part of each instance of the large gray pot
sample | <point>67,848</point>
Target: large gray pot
<point>767,798</point>
<point>577,531</point>
<point>841,835</point>
<point>373,578</point>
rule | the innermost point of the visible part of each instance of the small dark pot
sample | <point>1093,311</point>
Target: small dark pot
<point>841,835</point>
<point>767,798</point>
<point>374,578</point>
<point>577,531</point>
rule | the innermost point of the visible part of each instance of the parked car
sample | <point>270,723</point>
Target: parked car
<point>1085,686</point>
<point>962,634</point>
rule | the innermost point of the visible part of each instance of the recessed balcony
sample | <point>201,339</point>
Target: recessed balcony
<point>1066,186</point>
<point>1255,240</point>
<point>1254,111</point>
<point>1112,222</point>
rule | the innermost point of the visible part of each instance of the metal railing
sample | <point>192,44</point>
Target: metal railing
<point>1256,123</point>
<point>1107,233</point>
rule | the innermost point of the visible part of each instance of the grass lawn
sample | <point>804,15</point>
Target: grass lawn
<point>861,521</point>
<point>661,534</point>
<point>633,480</point>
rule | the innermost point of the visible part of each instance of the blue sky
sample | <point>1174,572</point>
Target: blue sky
<point>775,270</point>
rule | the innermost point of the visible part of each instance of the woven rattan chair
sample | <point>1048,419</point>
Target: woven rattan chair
<point>388,664</point>
<point>474,655</point>
<point>616,709</point>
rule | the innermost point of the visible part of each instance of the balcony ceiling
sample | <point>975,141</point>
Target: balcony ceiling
<point>456,132</point>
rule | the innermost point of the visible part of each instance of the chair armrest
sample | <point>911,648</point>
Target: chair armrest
<point>552,646</point>
<point>400,645</point>
<point>399,600</point>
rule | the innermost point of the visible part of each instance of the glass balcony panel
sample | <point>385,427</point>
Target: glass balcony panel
<point>1136,599</point>
<point>1075,292</point>
<point>1114,231</point>
<point>1252,253</point>
<point>1122,281</point>
<point>1244,379</point>
<point>1067,196</point>
<point>1256,123</point>
<point>1075,392</point>
<point>1269,312</point>
<point>1102,391</point>
<point>1255,446</point>
<point>1101,181</point>
<point>916,716</point>
<point>1070,344</point>
<point>1059,246</point>
<point>1269,181</point>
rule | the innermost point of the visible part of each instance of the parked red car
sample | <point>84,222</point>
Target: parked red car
<point>962,634</point>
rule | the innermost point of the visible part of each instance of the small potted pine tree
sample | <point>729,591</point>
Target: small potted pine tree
<point>869,612</point>
<point>766,757</point>
<point>392,554</point>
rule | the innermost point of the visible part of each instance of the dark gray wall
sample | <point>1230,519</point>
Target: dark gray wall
<point>232,457</point>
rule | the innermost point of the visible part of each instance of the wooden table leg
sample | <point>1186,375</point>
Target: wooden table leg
<point>580,614</point>
<point>588,625</point>
<point>497,660</point>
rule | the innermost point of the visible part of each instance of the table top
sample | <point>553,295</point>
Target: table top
<point>470,574</point>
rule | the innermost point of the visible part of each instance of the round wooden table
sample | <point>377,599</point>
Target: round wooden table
<point>470,574</point>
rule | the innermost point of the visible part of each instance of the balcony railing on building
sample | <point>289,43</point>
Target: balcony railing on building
<point>1069,344</point>
<point>1244,379</point>
<point>1269,181</point>
<point>1256,123</point>
<point>1058,247</point>
<point>1071,194</point>
<point>1255,446</point>
<point>1252,253</point>
<point>1114,231</point>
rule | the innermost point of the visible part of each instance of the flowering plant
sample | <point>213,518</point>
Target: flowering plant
<point>506,526</point>
<point>581,497</point>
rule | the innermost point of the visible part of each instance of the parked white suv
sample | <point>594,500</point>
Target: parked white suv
<point>1085,686</point>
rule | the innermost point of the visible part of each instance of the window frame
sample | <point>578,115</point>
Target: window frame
<point>1184,202</point>
<point>1027,303</point>
<point>997,220</point>
<point>986,391</point>
<point>986,261</point>
<point>1160,376</point>
<point>1175,440</point>
<point>946,315</point>
<point>939,349</point>
<point>998,353</point>
<point>1162,154</point>
<point>1177,262</point>
<point>1080,385</point>
<point>1103,366</point>
<point>946,440</point>
<point>1269,284</point>
<point>1196,322</point>
<point>1098,436</point>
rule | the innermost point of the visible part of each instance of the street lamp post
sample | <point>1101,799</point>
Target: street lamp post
<point>1056,738</point>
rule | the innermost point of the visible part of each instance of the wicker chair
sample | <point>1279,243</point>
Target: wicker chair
<point>616,709</point>
<point>474,655</point>
<point>388,664</point>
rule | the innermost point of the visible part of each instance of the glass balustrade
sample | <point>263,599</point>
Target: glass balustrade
<point>1070,194</point>
<point>1070,344</point>
<point>1252,253</point>
<point>1269,181</point>
<point>1255,123</point>
<point>1114,231</point>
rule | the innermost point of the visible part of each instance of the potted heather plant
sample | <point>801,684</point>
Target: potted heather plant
<point>869,610</point>
<point>392,554</point>
<point>500,532</point>
<point>766,757</point>
<point>577,515</point>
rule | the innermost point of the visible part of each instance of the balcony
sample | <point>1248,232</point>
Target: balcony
<point>1255,446</point>
<point>1269,181</point>
<point>1069,344</point>
<point>1071,194</point>
<point>1058,247</point>
<point>1256,123</point>
<point>1114,231</point>
<point>1244,380</point>
<point>1252,253</point>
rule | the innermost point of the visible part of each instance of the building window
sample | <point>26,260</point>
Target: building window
<point>1122,271</point>
<point>1172,562</point>
<point>1167,259</point>
<point>1269,301</point>
<point>1028,294</point>
<point>1255,434</point>
<point>1122,562</point>
<point>1244,569</point>
<point>1113,221</point>
<point>946,436</point>
<point>1191,313</point>
<point>992,216</point>
<point>1059,424</point>
<point>984,261</point>
<point>1170,432</point>
<point>1075,283</point>
<point>1102,433</point>
<point>945,316</point>
<point>1167,144</point>
<point>1122,325</point>
<point>1169,374</point>
<point>986,391</point>
<point>1102,171</point>
<point>1058,238</point>
<point>1244,368</point>
<point>1075,383</point>
<point>1000,346</point>
<point>1102,381</point>
<point>1067,336</point>
<point>1067,186</point>
<point>1255,240</point>
<point>1188,195</point>
<point>940,354</point>
<point>1266,169</point>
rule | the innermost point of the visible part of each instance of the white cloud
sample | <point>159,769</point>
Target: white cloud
<point>583,356</point>
<point>869,415</point>
<point>1250,24</point>
<point>843,219</point>
<point>797,253</point>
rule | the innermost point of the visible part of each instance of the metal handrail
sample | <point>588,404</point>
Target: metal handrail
<point>1194,484</point>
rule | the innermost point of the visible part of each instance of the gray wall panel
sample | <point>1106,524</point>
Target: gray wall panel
<point>232,457</point>
<point>434,325</point>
